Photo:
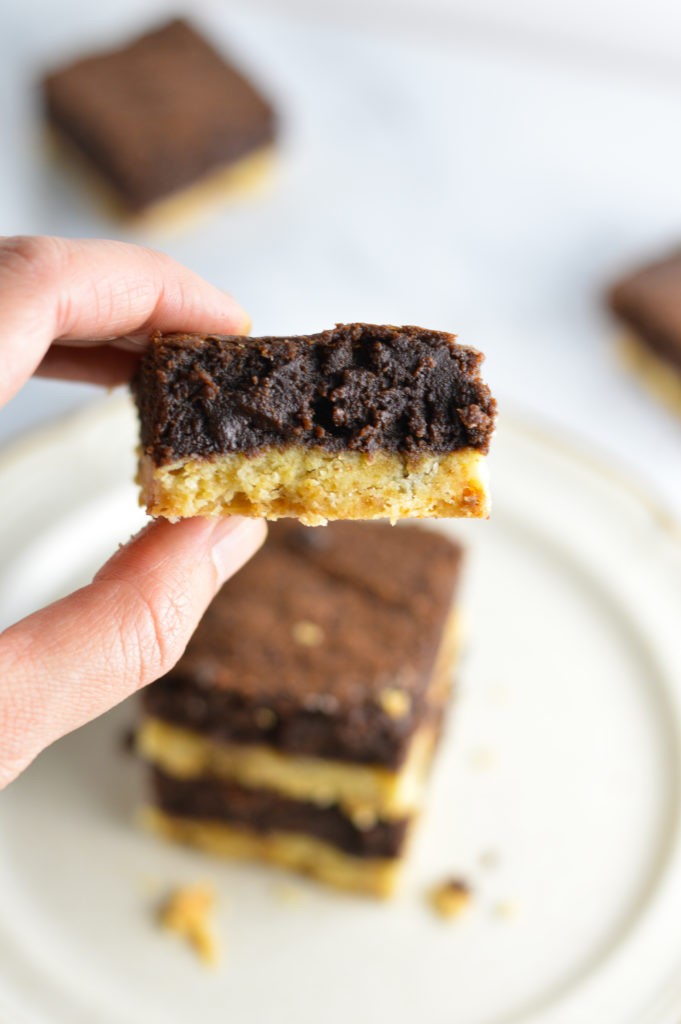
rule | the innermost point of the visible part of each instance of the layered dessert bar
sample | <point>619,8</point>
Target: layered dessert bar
<point>300,724</point>
<point>358,422</point>
<point>648,303</point>
<point>162,114</point>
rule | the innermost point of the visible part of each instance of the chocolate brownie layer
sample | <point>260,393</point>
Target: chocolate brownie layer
<point>324,644</point>
<point>263,811</point>
<point>158,114</point>
<point>358,387</point>
<point>649,302</point>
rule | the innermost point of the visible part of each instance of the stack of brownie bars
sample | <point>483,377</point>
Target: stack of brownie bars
<point>300,724</point>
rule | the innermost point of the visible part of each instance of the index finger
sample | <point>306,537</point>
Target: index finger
<point>69,289</point>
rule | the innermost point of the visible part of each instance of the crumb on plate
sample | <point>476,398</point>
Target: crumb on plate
<point>186,912</point>
<point>506,909</point>
<point>450,898</point>
<point>489,859</point>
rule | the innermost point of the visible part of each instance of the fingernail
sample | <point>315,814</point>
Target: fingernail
<point>131,342</point>
<point>233,541</point>
<point>245,322</point>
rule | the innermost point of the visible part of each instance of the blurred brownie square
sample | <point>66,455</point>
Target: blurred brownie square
<point>160,114</point>
<point>300,724</point>
<point>359,422</point>
<point>648,303</point>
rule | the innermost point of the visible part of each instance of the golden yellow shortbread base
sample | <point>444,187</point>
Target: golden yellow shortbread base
<point>314,485</point>
<point>660,377</point>
<point>306,854</point>
<point>249,175</point>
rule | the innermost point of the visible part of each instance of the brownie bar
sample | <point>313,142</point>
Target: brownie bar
<point>649,303</point>
<point>362,421</point>
<point>264,812</point>
<point>159,114</point>
<point>299,725</point>
<point>306,646</point>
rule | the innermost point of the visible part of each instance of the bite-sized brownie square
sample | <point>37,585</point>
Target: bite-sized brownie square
<point>648,303</point>
<point>159,114</point>
<point>359,422</point>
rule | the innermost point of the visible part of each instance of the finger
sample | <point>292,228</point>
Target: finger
<point>75,659</point>
<point>99,364</point>
<point>53,288</point>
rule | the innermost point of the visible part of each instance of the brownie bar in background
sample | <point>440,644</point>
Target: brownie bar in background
<point>159,114</point>
<point>647,303</point>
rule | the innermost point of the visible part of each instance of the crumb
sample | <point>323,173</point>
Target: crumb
<point>482,759</point>
<point>395,703</point>
<point>450,898</point>
<point>186,911</point>
<point>489,859</point>
<point>288,894</point>
<point>363,817</point>
<point>506,909</point>
<point>307,634</point>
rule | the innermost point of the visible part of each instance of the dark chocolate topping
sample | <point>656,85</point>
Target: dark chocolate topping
<point>297,649</point>
<point>359,386</point>
<point>159,113</point>
<point>649,301</point>
<point>263,811</point>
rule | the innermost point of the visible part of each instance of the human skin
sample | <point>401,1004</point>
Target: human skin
<point>82,310</point>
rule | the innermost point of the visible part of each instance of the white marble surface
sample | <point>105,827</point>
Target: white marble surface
<point>483,168</point>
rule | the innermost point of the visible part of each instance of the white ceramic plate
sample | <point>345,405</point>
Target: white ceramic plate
<point>556,792</point>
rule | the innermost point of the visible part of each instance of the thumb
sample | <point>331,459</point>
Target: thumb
<point>69,662</point>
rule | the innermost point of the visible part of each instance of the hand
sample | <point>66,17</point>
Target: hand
<point>82,310</point>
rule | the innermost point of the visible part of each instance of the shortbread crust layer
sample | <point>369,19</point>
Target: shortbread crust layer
<point>298,852</point>
<point>248,176</point>
<point>314,486</point>
<point>660,376</point>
